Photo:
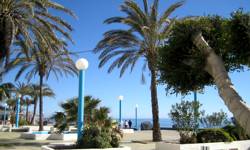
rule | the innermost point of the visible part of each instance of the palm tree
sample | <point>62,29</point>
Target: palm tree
<point>93,115</point>
<point>34,91</point>
<point>28,102</point>
<point>43,63</point>
<point>141,40</point>
<point>11,104</point>
<point>70,108</point>
<point>22,89</point>
<point>6,90</point>
<point>28,20</point>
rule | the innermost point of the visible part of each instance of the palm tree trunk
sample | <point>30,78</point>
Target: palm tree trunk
<point>6,37</point>
<point>215,67</point>
<point>34,111</point>
<point>41,105</point>
<point>154,103</point>
<point>27,112</point>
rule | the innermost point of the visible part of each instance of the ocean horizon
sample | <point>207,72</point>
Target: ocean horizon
<point>164,122</point>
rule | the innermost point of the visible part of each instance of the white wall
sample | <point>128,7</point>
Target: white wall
<point>240,145</point>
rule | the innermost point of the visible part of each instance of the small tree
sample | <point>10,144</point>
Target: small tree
<point>215,120</point>
<point>184,117</point>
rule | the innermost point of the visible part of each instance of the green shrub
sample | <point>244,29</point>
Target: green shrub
<point>213,135</point>
<point>23,122</point>
<point>96,137</point>
<point>215,120</point>
<point>236,132</point>
<point>187,137</point>
<point>185,116</point>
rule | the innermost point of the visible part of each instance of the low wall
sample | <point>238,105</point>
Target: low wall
<point>31,136</point>
<point>52,146</point>
<point>64,137</point>
<point>236,145</point>
<point>36,128</point>
<point>127,131</point>
<point>5,128</point>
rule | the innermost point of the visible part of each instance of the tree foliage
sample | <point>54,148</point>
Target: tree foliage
<point>215,120</point>
<point>213,135</point>
<point>182,64</point>
<point>93,114</point>
<point>29,21</point>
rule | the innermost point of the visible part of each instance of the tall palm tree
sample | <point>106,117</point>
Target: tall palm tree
<point>141,40</point>
<point>34,91</point>
<point>27,20</point>
<point>43,63</point>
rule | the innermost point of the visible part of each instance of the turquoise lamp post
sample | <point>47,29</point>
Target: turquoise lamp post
<point>81,64</point>
<point>17,110</point>
<point>120,98</point>
<point>195,96</point>
<point>136,117</point>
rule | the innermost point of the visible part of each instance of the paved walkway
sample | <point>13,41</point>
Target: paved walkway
<point>11,141</point>
<point>141,140</point>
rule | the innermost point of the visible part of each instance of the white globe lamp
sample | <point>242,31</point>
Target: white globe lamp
<point>82,64</point>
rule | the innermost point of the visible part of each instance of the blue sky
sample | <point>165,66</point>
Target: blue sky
<point>88,30</point>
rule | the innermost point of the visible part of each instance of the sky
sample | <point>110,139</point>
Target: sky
<point>89,29</point>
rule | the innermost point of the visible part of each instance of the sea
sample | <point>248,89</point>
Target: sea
<point>164,123</point>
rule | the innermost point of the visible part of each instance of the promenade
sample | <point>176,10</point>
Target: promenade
<point>140,140</point>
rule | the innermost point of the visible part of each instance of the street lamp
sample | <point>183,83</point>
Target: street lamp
<point>81,64</point>
<point>120,98</point>
<point>136,118</point>
<point>4,117</point>
<point>17,109</point>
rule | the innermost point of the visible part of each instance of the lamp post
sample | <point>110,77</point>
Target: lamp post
<point>195,96</point>
<point>4,117</point>
<point>81,64</point>
<point>136,118</point>
<point>120,98</point>
<point>17,110</point>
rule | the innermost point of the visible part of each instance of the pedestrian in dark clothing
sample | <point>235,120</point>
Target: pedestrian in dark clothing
<point>130,124</point>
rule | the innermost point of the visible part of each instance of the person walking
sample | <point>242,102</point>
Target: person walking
<point>126,124</point>
<point>130,124</point>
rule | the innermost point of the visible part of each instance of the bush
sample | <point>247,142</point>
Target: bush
<point>146,125</point>
<point>187,137</point>
<point>215,120</point>
<point>23,122</point>
<point>236,132</point>
<point>96,137</point>
<point>213,135</point>
<point>185,116</point>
